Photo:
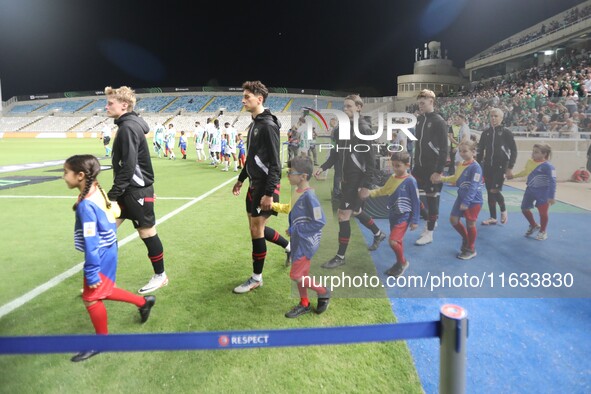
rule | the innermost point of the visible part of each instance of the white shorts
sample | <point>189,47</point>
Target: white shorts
<point>231,151</point>
<point>216,148</point>
<point>199,146</point>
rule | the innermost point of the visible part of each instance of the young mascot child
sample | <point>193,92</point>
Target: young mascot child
<point>541,188</point>
<point>404,206</point>
<point>468,179</point>
<point>95,235</point>
<point>183,144</point>
<point>241,151</point>
<point>306,220</point>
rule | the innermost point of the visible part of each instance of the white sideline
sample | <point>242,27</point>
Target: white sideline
<point>20,301</point>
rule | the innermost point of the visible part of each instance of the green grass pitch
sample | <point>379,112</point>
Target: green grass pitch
<point>207,253</point>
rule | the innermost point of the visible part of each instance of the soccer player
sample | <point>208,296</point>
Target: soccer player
<point>541,188</point>
<point>200,138</point>
<point>430,155</point>
<point>263,170</point>
<point>216,142</point>
<point>95,235</point>
<point>403,205</point>
<point>106,137</point>
<point>158,140</point>
<point>358,170</point>
<point>306,220</point>
<point>231,132</point>
<point>133,179</point>
<point>169,138</point>
<point>497,153</point>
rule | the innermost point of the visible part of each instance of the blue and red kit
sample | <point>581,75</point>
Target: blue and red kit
<point>541,183</point>
<point>468,179</point>
<point>95,234</point>
<point>403,204</point>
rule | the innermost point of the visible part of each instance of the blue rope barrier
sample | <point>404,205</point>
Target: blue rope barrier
<point>218,340</point>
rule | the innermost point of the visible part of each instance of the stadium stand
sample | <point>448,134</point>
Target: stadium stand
<point>230,103</point>
<point>64,106</point>
<point>153,104</point>
<point>24,108</point>
<point>188,103</point>
<point>9,123</point>
<point>97,105</point>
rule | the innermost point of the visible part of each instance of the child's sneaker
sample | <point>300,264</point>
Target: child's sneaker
<point>504,217</point>
<point>83,356</point>
<point>542,235</point>
<point>145,310</point>
<point>397,269</point>
<point>467,254</point>
<point>323,301</point>
<point>531,230</point>
<point>298,310</point>
<point>489,222</point>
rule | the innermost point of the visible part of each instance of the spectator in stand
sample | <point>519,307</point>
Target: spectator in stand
<point>544,125</point>
<point>570,129</point>
<point>571,101</point>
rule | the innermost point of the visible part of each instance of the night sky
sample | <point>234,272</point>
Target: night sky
<point>49,46</point>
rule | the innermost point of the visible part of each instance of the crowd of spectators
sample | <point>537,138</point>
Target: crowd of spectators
<point>572,16</point>
<point>551,100</point>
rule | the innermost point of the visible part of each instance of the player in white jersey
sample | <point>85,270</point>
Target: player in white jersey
<point>200,138</point>
<point>210,130</point>
<point>216,141</point>
<point>170,136</point>
<point>159,134</point>
<point>231,132</point>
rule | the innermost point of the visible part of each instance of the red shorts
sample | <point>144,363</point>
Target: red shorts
<point>101,292</point>
<point>471,213</point>
<point>397,231</point>
<point>300,268</point>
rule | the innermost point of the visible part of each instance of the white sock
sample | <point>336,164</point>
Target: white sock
<point>288,247</point>
<point>257,277</point>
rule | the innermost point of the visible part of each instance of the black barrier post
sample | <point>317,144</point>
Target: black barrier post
<point>453,338</point>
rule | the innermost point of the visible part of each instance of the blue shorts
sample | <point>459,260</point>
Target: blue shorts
<point>529,197</point>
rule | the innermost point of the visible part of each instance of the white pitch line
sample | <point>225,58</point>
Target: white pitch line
<point>20,301</point>
<point>14,196</point>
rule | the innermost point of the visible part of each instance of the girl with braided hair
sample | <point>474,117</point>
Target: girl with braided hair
<point>95,235</point>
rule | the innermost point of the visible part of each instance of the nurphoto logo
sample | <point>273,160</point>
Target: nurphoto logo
<point>394,121</point>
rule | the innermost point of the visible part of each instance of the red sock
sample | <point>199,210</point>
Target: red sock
<point>125,296</point>
<point>530,217</point>
<point>303,293</point>
<point>543,209</point>
<point>462,231</point>
<point>98,316</point>
<point>398,249</point>
<point>305,302</point>
<point>472,237</point>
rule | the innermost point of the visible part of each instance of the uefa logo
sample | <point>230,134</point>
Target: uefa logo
<point>224,340</point>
